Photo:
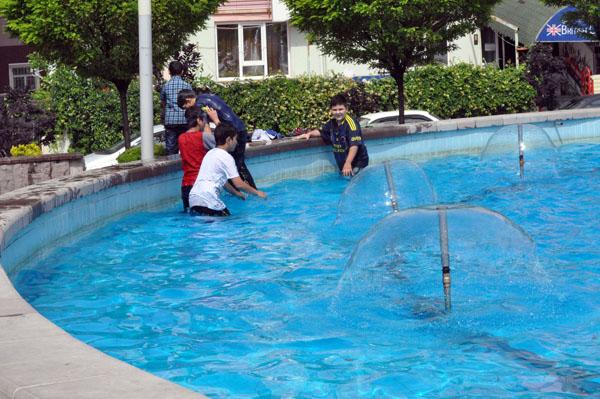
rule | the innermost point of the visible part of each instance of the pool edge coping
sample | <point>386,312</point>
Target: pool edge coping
<point>76,365</point>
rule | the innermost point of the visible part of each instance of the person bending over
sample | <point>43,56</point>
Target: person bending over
<point>343,133</point>
<point>188,99</point>
<point>217,168</point>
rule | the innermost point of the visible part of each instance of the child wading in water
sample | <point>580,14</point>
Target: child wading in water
<point>193,146</point>
<point>217,168</point>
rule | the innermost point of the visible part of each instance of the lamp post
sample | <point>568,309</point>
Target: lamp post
<point>146,108</point>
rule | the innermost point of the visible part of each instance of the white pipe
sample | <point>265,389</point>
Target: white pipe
<point>307,57</point>
<point>516,48</point>
<point>146,108</point>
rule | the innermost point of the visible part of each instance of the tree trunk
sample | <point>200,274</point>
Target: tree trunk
<point>398,76</point>
<point>122,87</point>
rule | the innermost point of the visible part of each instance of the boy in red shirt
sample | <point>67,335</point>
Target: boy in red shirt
<point>193,145</point>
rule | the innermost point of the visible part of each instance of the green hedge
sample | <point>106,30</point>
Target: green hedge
<point>281,103</point>
<point>88,109</point>
<point>449,92</point>
<point>460,91</point>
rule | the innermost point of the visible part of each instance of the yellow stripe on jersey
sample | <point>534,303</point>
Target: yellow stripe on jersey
<point>350,122</point>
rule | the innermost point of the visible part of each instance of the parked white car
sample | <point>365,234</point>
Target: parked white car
<point>388,118</point>
<point>108,157</point>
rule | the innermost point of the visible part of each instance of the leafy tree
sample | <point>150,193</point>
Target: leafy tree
<point>588,11</point>
<point>392,35</point>
<point>361,102</point>
<point>546,74</point>
<point>99,38</point>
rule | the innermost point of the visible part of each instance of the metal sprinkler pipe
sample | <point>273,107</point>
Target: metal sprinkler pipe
<point>521,151</point>
<point>391,186</point>
<point>445,257</point>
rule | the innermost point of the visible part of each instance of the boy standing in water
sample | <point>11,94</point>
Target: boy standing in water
<point>343,133</point>
<point>193,146</point>
<point>217,168</point>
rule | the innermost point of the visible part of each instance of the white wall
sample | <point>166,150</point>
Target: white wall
<point>467,51</point>
<point>207,46</point>
<point>280,11</point>
<point>305,59</point>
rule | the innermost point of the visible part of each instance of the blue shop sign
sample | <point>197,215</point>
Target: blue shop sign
<point>555,30</point>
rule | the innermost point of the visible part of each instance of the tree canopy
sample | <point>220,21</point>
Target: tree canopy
<point>99,38</point>
<point>392,35</point>
<point>588,11</point>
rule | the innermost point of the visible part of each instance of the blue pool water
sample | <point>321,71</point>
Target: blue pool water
<point>256,305</point>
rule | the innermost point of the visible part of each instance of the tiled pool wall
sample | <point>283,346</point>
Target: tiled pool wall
<point>306,163</point>
<point>86,213</point>
<point>35,219</point>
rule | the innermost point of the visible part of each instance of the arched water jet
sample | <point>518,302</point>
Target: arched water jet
<point>524,147</point>
<point>558,136</point>
<point>392,271</point>
<point>379,190</point>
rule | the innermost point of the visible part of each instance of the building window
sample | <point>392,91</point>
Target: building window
<point>262,50</point>
<point>22,77</point>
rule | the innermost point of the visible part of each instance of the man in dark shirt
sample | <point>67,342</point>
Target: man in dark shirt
<point>187,99</point>
<point>343,133</point>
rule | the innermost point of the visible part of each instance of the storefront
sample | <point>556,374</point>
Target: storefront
<point>577,46</point>
<point>528,22</point>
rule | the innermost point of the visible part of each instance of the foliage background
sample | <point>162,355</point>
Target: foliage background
<point>87,110</point>
<point>461,91</point>
<point>457,91</point>
<point>99,38</point>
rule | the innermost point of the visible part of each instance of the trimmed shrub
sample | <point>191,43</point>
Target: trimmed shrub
<point>26,150</point>
<point>135,153</point>
<point>361,102</point>
<point>280,103</point>
<point>457,91</point>
<point>87,110</point>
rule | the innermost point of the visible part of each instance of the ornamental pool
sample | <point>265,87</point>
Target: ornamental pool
<point>256,306</point>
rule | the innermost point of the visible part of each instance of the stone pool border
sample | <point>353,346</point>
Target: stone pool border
<point>39,360</point>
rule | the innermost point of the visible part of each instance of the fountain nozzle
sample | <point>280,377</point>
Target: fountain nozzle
<point>521,151</point>
<point>445,257</point>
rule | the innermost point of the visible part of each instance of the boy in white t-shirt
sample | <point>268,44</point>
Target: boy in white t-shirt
<point>217,168</point>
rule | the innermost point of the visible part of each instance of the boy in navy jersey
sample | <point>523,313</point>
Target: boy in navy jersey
<point>343,133</point>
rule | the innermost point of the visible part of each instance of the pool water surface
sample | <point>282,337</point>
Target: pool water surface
<point>253,305</point>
